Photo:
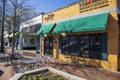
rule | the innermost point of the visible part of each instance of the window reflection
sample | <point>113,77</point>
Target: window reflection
<point>73,44</point>
<point>95,46</point>
<point>90,46</point>
<point>65,45</point>
<point>85,46</point>
<point>48,46</point>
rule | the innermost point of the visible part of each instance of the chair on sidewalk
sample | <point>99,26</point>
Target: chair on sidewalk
<point>1,72</point>
<point>16,67</point>
<point>21,54</point>
<point>41,62</point>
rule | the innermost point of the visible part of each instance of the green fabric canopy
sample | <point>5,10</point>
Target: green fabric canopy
<point>91,23</point>
<point>6,36</point>
<point>45,29</point>
<point>16,34</point>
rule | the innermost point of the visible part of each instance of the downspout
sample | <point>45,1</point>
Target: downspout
<point>41,38</point>
<point>118,14</point>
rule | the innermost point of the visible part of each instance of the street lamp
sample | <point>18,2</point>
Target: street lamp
<point>3,17</point>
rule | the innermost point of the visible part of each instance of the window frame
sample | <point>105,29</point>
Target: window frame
<point>78,45</point>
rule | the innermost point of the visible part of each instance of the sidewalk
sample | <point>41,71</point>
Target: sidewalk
<point>88,73</point>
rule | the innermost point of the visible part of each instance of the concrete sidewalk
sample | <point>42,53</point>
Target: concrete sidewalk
<point>88,73</point>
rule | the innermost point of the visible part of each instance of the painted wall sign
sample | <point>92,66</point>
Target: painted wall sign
<point>50,17</point>
<point>94,4</point>
<point>32,22</point>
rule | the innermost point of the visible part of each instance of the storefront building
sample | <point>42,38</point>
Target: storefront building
<point>86,32</point>
<point>28,29</point>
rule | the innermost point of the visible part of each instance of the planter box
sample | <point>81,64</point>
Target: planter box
<point>53,70</point>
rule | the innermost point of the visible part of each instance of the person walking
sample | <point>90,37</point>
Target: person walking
<point>16,45</point>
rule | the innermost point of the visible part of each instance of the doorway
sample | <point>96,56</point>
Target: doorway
<point>48,46</point>
<point>119,43</point>
<point>119,54</point>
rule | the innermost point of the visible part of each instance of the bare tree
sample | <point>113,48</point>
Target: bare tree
<point>0,9</point>
<point>0,16</point>
<point>16,10</point>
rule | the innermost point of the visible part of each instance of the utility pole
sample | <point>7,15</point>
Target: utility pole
<point>2,36</point>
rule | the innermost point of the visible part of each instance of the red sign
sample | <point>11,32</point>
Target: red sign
<point>50,17</point>
<point>89,1</point>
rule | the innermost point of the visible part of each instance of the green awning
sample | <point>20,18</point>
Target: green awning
<point>45,29</point>
<point>91,23</point>
<point>6,36</point>
<point>16,34</point>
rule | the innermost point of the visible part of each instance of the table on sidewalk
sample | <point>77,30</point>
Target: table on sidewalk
<point>12,58</point>
<point>30,63</point>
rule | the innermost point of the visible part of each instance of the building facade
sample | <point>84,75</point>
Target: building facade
<point>28,29</point>
<point>87,32</point>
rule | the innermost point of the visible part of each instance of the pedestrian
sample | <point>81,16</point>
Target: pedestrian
<point>16,45</point>
<point>6,43</point>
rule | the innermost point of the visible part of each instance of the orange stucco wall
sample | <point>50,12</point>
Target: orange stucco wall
<point>75,9</point>
<point>112,31</point>
<point>65,12</point>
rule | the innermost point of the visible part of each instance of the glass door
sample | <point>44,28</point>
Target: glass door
<point>48,46</point>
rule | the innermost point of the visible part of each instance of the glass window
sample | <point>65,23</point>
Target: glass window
<point>68,45</point>
<point>65,44</point>
<point>104,54</point>
<point>91,46</point>
<point>48,46</point>
<point>32,41</point>
<point>72,44</point>
<point>95,46</point>
<point>84,46</point>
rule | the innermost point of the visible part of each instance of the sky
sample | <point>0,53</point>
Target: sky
<point>49,5</point>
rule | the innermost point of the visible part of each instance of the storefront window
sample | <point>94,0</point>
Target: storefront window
<point>65,45</point>
<point>91,46</point>
<point>73,44</point>
<point>68,44</point>
<point>48,46</point>
<point>104,54</point>
<point>84,46</point>
<point>32,41</point>
<point>95,49</point>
